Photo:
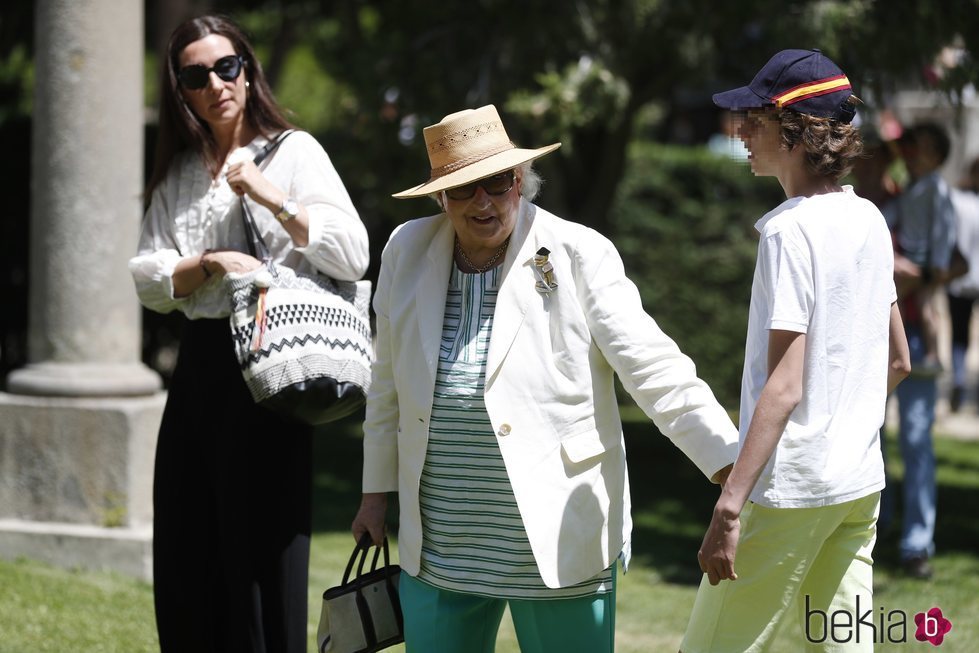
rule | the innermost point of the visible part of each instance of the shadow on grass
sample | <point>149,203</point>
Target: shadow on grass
<point>337,471</point>
<point>671,504</point>
<point>671,500</point>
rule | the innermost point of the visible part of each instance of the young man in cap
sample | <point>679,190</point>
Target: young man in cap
<point>825,345</point>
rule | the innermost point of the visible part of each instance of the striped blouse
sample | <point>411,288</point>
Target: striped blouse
<point>474,540</point>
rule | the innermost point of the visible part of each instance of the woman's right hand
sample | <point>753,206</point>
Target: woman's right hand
<point>188,275</point>
<point>223,261</point>
<point>370,517</point>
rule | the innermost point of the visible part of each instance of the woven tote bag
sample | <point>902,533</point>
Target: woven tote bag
<point>303,342</point>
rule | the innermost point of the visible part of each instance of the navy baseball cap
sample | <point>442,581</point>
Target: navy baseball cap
<point>805,81</point>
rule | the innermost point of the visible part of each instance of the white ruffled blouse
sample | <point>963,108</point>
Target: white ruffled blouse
<point>190,213</point>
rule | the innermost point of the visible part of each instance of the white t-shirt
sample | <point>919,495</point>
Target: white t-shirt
<point>825,268</point>
<point>966,205</point>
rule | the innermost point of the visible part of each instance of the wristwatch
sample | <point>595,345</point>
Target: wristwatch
<point>289,210</point>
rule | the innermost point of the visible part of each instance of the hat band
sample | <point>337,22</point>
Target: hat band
<point>441,171</point>
<point>811,89</point>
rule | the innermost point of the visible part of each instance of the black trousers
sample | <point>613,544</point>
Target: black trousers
<point>232,510</point>
<point>960,314</point>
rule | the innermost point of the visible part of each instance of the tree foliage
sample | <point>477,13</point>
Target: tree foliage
<point>584,72</point>
<point>372,73</point>
<point>365,76</point>
<point>684,224</point>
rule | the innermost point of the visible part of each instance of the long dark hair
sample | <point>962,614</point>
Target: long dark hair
<point>179,128</point>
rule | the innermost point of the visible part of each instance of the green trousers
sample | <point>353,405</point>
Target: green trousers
<point>441,621</point>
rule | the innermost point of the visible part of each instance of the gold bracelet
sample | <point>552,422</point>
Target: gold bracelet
<point>207,273</point>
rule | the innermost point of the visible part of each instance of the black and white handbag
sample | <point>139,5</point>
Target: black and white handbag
<point>363,613</point>
<point>303,341</point>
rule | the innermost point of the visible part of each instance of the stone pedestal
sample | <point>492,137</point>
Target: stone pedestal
<point>84,380</point>
<point>76,480</point>
<point>78,431</point>
<point>123,550</point>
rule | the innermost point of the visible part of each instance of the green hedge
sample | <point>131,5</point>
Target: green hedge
<point>683,221</point>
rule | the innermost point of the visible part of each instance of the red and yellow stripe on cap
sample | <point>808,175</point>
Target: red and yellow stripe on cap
<point>811,89</point>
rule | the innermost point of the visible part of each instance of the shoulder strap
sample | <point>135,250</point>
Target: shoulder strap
<point>256,244</point>
<point>271,146</point>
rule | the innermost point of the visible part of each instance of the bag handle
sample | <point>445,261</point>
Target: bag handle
<point>362,548</point>
<point>256,244</point>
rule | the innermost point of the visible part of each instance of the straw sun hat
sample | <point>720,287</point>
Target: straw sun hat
<point>469,145</point>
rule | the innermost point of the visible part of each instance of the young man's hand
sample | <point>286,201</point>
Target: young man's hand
<point>720,545</point>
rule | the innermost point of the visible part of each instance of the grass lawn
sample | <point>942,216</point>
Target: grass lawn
<point>45,609</point>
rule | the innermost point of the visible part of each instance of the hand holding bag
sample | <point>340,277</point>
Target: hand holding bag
<point>303,341</point>
<point>363,614</point>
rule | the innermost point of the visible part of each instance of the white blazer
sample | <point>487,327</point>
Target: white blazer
<point>549,387</point>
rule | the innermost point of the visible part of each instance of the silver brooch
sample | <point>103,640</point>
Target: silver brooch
<point>544,270</point>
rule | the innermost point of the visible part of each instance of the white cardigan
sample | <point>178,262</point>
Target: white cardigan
<point>549,387</point>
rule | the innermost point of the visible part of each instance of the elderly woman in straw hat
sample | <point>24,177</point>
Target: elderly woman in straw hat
<point>492,410</point>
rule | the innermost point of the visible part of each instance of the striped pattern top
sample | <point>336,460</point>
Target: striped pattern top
<point>474,540</point>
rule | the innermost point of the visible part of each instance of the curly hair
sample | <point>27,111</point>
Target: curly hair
<point>831,146</point>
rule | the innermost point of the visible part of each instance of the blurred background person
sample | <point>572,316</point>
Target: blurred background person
<point>726,142</point>
<point>872,178</point>
<point>233,481</point>
<point>922,219</point>
<point>922,223</point>
<point>963,291</point>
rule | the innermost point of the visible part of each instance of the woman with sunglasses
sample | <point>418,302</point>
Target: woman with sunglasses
<point>492,410</point>
<point>232,488</point>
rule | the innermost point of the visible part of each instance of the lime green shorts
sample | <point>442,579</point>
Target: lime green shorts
<point>442,621</point>
<point>815,559</point>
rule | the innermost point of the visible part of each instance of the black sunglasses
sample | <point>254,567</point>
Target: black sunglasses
<point>197,76</point>
<point>495,185</point>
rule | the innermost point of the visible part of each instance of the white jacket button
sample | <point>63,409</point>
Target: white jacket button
<point>504,430</point>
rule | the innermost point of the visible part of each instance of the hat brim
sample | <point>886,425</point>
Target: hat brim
<point>741,99</point>
<point>487,167</point>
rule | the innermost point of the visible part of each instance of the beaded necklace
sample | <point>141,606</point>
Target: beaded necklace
<point>489,264</point>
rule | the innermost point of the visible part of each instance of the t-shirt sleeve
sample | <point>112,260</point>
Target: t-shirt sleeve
<point>787,268</point>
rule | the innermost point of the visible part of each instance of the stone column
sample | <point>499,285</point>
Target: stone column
<point>78,427</point>
<point>86,178</point>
